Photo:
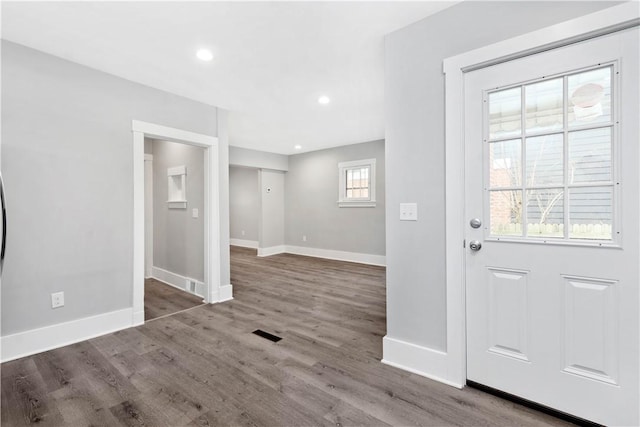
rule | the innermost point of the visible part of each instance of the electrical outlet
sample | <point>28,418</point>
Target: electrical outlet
<point>242,232</point>
<point>304,238</point>
<point>57,299</point>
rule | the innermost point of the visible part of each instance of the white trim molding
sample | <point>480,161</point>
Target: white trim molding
<point>356,257</point>
<point>417,359</point>
<point>178,281</point>
<point>212,267</point>
<point>586,27</point>
<point>253,244</point>
<point>272,250</point>
<point>38,340</point>
<point>226,293</point>
<point>359,258</point>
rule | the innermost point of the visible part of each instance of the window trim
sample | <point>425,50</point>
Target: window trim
<point>343,201</point>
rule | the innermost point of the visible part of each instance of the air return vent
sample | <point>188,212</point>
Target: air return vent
<point>267,335</point>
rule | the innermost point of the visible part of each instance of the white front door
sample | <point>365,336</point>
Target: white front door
<point>551,160</point>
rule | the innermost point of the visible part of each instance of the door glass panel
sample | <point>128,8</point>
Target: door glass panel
<point>590,156</point>
<point>506,213</point>
<point>504,164</point>
<point>544,160</point>
<point>590,213</point>
<point>590,97</point>
<point>505,109</point>
<point>545,212</point>
<point>544,106</point>
<point>562,164</point>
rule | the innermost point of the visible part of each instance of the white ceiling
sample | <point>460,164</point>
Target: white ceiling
<point>272,60</point>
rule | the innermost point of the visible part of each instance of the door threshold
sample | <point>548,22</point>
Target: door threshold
<point>533,405</point>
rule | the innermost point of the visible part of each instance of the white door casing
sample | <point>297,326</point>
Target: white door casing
<point>148,214</point>
<point>215,291</point>
<point>552,319</point>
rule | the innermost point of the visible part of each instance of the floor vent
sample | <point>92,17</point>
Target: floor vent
<point>267,335</point>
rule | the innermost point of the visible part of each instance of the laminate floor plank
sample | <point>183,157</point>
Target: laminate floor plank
<point>205,367</point>
<point>161,299</point>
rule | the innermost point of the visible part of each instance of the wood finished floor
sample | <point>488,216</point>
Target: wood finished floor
<point>161,299</point>
<point>204,367</point>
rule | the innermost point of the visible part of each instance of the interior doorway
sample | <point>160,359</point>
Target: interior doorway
<point>212,289</point>
<point>174,227</point>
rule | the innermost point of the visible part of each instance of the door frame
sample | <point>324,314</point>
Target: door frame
<point>606,21</point>
<point>148,193</point>
<point>212,267</point>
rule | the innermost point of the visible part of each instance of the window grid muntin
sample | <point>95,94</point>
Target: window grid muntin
<point>565,131</point>
<point>353,187</point>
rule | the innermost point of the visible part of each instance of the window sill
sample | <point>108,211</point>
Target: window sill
<point>177,204</point>
<point>354,204</point>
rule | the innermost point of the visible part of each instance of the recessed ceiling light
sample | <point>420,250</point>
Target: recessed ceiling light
<point>324,99</point>
<point>204,54</point>
<point>298,147</point>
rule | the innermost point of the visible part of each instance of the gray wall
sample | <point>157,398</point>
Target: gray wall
<point>67,165</point>
<point>271,225</point>
<point>311,202</point>
<point>223,179</point>
<point>257,159</point>
<point>178,238</point>
<point>415,127</point>
<point>244,203</point>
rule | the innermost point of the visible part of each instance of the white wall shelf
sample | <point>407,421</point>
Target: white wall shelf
<point>177,190</point>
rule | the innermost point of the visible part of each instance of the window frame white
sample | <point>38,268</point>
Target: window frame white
<point>361,202</point>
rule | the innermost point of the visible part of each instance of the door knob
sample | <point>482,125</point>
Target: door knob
<point>475,245</point>
<point>475,223</point>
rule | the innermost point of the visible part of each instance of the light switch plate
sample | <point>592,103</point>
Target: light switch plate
<point>408,211</point>
<point>194,213</point>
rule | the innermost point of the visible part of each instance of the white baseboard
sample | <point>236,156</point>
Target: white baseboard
<point>272,250</point>
<point>177,281</point>
<point>38,340</point>
<point>338,255</point>
<point>253,244</point>
<point>424,361</point>
<point>224,294</point>
<point>138,318</point>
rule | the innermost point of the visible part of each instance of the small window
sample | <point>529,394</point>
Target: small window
<point>550,152</point>
<point>357,180</point>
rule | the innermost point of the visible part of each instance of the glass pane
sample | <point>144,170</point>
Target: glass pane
<point>365,173</point>
<point>545,213</point>
<point>504,164</point>
<point>356,194</point>
<point>349,194</point>
<point>590,155</point>
<point>544,109</point>
<point>505,209</point>
<point>349,179</point>
<point>504,113</point>
<point>356,177</point>
<point>365,193</point>
<point>590,97</point>
<point>590,213</point>
<point>544,160</point>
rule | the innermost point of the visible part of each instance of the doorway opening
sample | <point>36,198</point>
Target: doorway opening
<point>211,288</point>
<point>174,227</point>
